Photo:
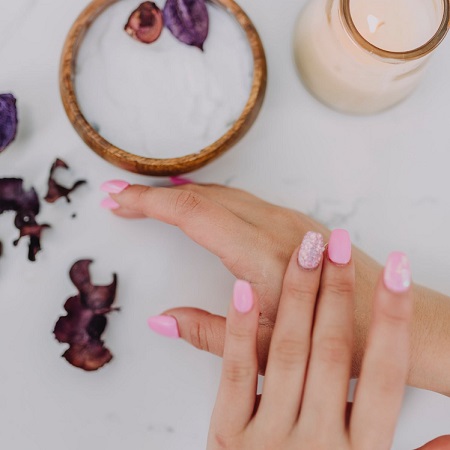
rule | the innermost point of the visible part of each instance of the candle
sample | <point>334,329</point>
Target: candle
<point>165,99</point>
<point>363,56</point>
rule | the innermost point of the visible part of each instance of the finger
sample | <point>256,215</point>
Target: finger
<point>326,389</point>
<point>239,202</point>
<point>291,340</point>
<point>206,222</point>
<point>237,391</point>
<point>379,392</point>
<point>128,213</point>
<point>200,328</point>
<point>440,443</point>
<point>205,331</point>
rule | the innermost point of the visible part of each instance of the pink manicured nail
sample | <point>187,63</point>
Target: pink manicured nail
<point>311,250</point>
<point>340,247</point>
<point>114,186</point>
<point>180,181</point>
<point>397,273</point>
<point>243,296</point>
<point>164,325</point>
<point>109,203</point>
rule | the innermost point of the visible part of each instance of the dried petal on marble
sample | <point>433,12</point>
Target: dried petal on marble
<point>187,20</point>
<point>97,298</point>
<point>55,190</point>
<point>145,23</point>
<point>29,227</point>
<point>85,322</point>
<point>13,197</point>
<point>8,120</point>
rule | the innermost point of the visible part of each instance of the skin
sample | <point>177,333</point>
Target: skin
<point>254,240</point>
<point>306,384</point>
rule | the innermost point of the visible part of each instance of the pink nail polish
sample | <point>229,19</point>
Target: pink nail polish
<point>340,247</point>
<point>397,273</point>
<point>180,181</point>
<point>109,203</point>
<point>114,186</point>
<point>243,296</point>
<point>164,325</point>
<point>311,250</point>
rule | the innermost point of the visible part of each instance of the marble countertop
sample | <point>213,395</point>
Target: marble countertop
<point>385,178</point>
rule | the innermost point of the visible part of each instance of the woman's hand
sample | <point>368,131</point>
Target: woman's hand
<point>304,398</point>
<point>254,239</point>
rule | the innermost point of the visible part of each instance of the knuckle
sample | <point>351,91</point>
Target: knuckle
<point>237,371</point>
<point>393,317</point>
<point>199,337</point>
<point>221,441</point>
<point>333,349</point>
<point>288,353</point>
<point>239,334</point>
<point>340,286</point>
<point>187,202</point>
<point>141,198</point>
<point>300,292</point>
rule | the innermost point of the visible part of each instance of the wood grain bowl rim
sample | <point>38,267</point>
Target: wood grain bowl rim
<point>155,166</point>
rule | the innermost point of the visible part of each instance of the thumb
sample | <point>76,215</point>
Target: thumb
<point>200,328</point>
<point>440,443</point>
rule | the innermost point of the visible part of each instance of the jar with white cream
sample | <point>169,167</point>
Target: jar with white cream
<point>363,56</point>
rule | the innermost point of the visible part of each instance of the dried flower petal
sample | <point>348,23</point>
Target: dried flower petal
<point>145,23</point>
<point>97,298</point>
<point>187,20</point>
<point>34,231</point>
<point>8,120</point>
<point>55,190</point>
<point>85,321</point>
<point>13,197</point>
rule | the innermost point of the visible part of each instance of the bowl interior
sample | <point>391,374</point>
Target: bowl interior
<point>140,163</point>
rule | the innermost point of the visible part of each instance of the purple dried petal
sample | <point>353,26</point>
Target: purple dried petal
<point>88,357</point>
<point>13,197</point>
<point>187,20</point>
<point>55,190</point>
<point>8,120</point>
<point>97,298</point>
<point>72,329</point>
<point>85,322</point>
<point>145,23</point>
<point>34,231</point>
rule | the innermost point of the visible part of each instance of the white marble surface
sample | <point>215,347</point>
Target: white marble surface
<point>385,178</point>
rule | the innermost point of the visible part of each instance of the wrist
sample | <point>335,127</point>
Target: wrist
<point>430,344</point>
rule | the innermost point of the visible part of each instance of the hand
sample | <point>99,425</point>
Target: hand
<point>304,399</point>
<point>254,239</point>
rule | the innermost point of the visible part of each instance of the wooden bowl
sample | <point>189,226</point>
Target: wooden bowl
<point>156,166</point>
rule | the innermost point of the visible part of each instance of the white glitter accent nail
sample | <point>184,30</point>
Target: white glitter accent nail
<point>311,250</point>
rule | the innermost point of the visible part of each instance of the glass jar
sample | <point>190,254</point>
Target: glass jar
<point>363,56</point>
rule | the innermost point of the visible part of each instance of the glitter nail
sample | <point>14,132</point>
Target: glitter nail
<point>311,250</point>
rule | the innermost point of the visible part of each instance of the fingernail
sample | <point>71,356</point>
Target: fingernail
<point>109,203</point>
<point>397,273</point>
<point>114,186</point>
<point>164,325</point>
<point>340,247</point>
<point>311,250</point>
<point>243,296</point>
<point>179,181</point>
